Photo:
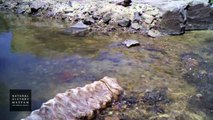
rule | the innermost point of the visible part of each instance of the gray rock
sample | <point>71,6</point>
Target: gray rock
<point>68,10</point>
<point>10,4</point>
<point>23,8</point>
<point>148,18</point>
<point>38,4</point>
<point>180,15</point>
<point>154,33</point>
<point>130,43</point>
<point>172,23</point>
<point>125,3</point>
<point>1,1</point>
<point>80,25</point>
<point>96,16</point>
<point>89,21</point>
<point>106,17</point>
<point>199,17</point>
<point>136,26</point>
<point>78,29</point>
<point>124,22</point>
<point>137,17</point>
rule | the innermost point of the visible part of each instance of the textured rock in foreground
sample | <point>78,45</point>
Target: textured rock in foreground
<point>80,102</point>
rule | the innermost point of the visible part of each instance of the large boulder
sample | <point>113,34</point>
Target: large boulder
<point>172,23</point>
<point>180,15</point>
<point>199,16</point>
<point>38,4</point>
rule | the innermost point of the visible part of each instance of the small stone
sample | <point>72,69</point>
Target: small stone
<point>78,29</point>
<point>96,16</point>
<point>199,95</point>
<point>124,22</point>
<point>130,43</point>
<point>106,17</point>
<point>38,4</point>
<point>110,112</point>
<point>136,26</point>
<point>148,18</point>
<point>23,8</point>
<point>154,33</point>
<point>68,10</point>
<point>153,12</point>
<point>155,96</point>
<point>75,4</point>
<point>148,21</point>
<point>112,118</point>
<point>89,21</point>
<point>125,3</point>
<point>137,17</point>
<point>80,25</point>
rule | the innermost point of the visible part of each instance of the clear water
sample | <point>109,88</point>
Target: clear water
<point>36,54</point>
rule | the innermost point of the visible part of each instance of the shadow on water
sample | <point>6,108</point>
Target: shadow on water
<point>199,66</point>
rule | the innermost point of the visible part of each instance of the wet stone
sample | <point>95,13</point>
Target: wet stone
<point>154,97</point>
<point>80,25</point>
<point>78,29</point>
<point>130,43</point>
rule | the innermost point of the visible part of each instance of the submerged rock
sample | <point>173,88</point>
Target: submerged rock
<point>199,17</point>
<point>78,29</point>
<point>79,102</point>
<point>155,96</point>
<point>80,25</point>
<point>130,43</point>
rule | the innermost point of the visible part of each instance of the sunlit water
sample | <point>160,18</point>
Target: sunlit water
<point>37,55</point>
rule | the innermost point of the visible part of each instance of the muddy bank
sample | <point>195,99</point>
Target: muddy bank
<point>152,18</point>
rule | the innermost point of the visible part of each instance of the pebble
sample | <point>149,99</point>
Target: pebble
<point>80,25</point>
<point>130,43</point>
<point>199,95</point>
<point>136,26</point>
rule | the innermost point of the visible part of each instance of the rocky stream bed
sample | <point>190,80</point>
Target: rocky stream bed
<point>148,17</point>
